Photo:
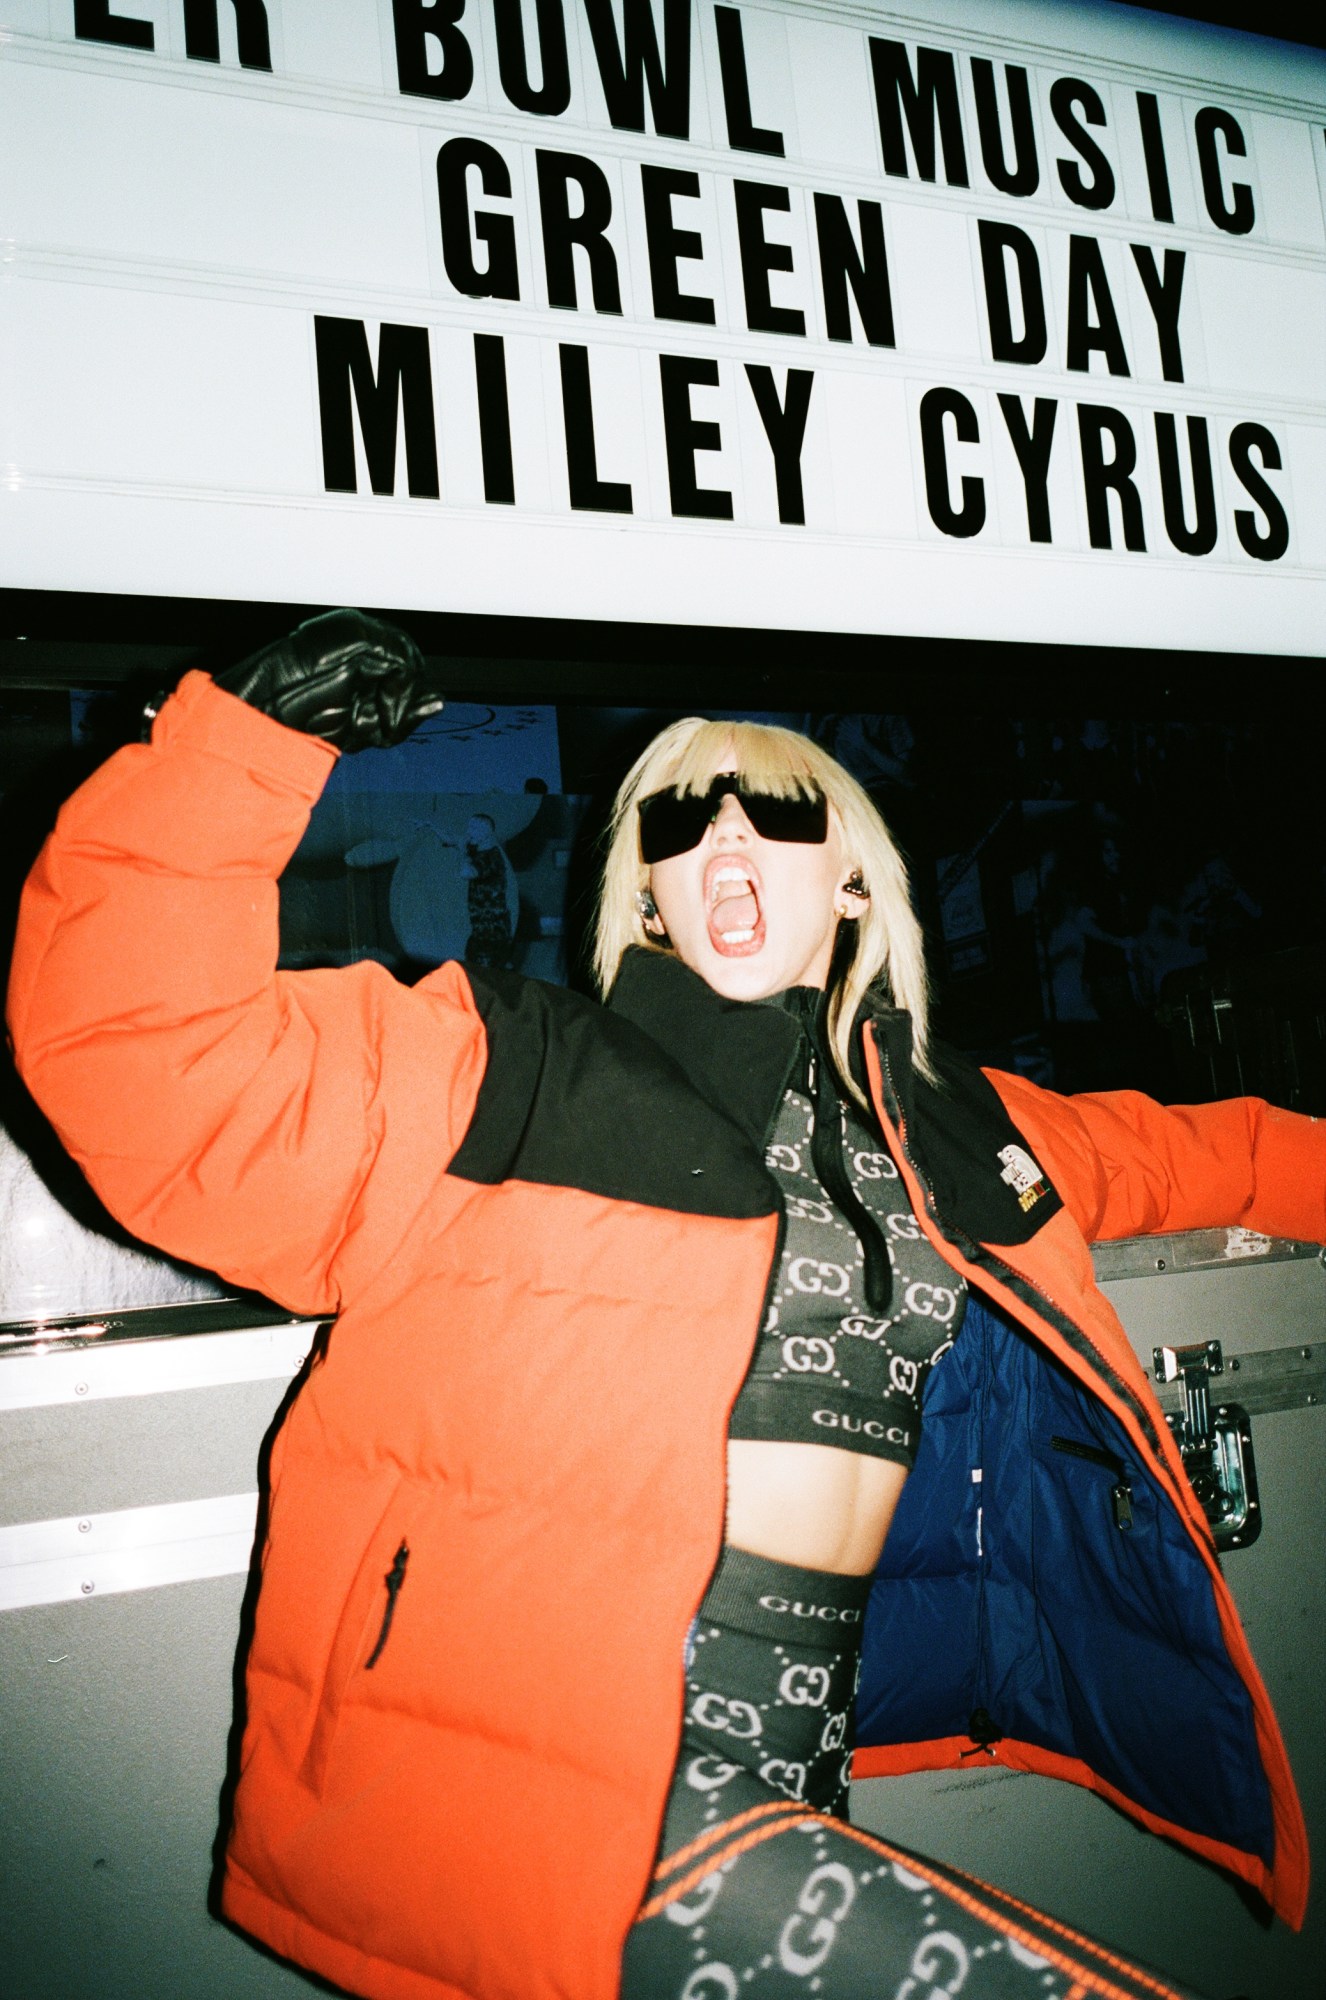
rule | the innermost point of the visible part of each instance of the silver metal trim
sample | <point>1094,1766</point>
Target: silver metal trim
<point>1262,1380</point>
<point>1193,1250</point>
<point>153,1367</point>
<point>178,1319</point>
<point>137,1548</point>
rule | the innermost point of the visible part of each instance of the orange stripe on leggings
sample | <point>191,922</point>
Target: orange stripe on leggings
<point>1086,1979</point>
<point>1135,1972</point>
<point>783,1824</point>
<point>721,1831</point>
<point>1093,1982</point>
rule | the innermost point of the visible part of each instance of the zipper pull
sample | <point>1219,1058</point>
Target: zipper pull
<point>393,1579</point>
<point>1122,1497</point>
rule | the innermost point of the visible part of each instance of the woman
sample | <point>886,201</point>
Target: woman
<point>521,1628</point>
<point>768,871</point>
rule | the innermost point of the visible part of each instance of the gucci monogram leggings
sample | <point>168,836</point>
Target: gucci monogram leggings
<point>764,1888</point>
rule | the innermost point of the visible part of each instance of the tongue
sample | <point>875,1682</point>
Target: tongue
<point>734,913</point>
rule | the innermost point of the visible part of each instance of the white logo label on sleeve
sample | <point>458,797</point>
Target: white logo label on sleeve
<point>1023,1176</point>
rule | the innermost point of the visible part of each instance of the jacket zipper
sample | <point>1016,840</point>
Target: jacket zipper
<point>780,1238</point>
<point>1095,1454</point>
<point>983,1258</point>
<point>982,1728</point>
<point>394,1579</point>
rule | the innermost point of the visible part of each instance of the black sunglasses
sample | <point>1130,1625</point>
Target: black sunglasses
<point>674,822</point>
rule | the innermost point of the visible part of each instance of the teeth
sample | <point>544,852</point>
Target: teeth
<point>736,937</point>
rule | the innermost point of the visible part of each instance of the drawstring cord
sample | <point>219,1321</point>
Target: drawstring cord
<point>826,1152</point>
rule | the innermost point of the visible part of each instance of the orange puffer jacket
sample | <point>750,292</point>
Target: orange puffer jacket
<point>548,1251</point>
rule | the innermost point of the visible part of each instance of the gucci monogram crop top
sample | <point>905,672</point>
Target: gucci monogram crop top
<point>863,1305</point>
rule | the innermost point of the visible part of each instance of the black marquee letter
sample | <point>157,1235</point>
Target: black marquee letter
<point>94,22</point>
<point>969,518</point>
<point>1101,476</point>
<point>997,238</point>
<point>929,100</point>
<point>562,231</point>
<point>1164,289</point>
<point>1200,539</point>
<point>759,257</point>
<point>554,93</point>
<point>742,135</point>
<point>1235,216</point>
<point>1068,94</point>
<point>1024,176</point>
<point>1244,439</point>
<point>588,491</point>
<point>404,377</point>
<point>785,428</point>
<point>685,434</point>
<point>202,35</point>
<point>1153,151</point>
<point>498,279</point>
<point>1032,445</point>
<point>1088,286</point>
<point>667,244</point>
<point>626,68</point>
<point>499,479</point>
<point>865,270</point>
<point>415,21</point>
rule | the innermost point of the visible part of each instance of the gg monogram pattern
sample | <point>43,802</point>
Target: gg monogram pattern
<point>827,1370</point>
<point>765,1890</point>
<point>781,1904</point>
<point>771,1671</point>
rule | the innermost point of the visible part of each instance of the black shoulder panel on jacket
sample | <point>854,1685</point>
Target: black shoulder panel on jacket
<point>574,1096</point>
<point>982,1174</point>
<point>968,1148</point>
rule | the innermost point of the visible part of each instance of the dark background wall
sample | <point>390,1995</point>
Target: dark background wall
<point>1106,846</point>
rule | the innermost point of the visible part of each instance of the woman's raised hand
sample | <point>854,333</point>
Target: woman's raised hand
<point>354,681</point>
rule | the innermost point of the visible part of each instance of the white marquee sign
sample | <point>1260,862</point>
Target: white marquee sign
<point>1003,322</point>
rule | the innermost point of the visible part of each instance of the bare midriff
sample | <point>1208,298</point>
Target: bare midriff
<point>810,1504</point>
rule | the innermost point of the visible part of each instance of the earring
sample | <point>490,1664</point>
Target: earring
<point>855,886</point>
<point>645,905</point>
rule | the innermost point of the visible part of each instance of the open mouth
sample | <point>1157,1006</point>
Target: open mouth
<point>732,906</point>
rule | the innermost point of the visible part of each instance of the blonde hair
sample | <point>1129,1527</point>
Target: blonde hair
<point>887,948</point>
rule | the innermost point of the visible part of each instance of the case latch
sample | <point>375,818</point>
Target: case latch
<point>1215,1443</point>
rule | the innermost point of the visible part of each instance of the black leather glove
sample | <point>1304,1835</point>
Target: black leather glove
<point>346,677</point>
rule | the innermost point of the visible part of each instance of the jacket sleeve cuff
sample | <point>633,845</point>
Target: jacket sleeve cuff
<point>202,716</point>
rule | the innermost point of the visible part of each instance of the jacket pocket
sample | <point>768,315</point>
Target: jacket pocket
<point>1121,1493</point>
<point>363,1631</point>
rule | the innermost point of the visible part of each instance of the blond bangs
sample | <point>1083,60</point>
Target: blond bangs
<point>767,759</point>
<point>888,949</point>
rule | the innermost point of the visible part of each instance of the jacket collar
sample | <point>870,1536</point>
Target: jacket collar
<point>738,1057</point>
<point>741,1055</point>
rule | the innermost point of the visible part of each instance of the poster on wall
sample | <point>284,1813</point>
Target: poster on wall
<point>456,844</point>
<point>1004,324</point>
